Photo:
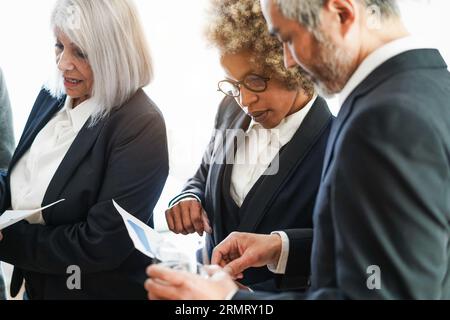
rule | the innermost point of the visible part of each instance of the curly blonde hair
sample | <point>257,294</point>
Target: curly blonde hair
<point>238,26</point>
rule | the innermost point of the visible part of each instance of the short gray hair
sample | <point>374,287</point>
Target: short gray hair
<point>307,12</point>
<point>110,33</point>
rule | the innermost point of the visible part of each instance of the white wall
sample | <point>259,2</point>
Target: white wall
<point>186,71</point>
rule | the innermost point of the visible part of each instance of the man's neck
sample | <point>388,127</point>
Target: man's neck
<point>376,38</point>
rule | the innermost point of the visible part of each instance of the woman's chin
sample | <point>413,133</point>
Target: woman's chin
<point>269,123</point>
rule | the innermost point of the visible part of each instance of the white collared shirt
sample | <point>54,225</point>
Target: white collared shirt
<point>33,173</point>
<point>373,61</point>
<point>260,148</point>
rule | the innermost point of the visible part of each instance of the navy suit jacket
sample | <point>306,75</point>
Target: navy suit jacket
<point>281,201</point>
<point>383,211</point>
<point>124,157</point>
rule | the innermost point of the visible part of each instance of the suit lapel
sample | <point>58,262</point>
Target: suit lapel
<point>255,208</point>
<point>233,215</point>
<point>80,147</point>
<point>224,150</point>
<point>35,126</point>
<point>334,133</point>
<point>82,144</point>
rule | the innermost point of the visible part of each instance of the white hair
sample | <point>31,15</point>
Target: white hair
<point>110,34</point>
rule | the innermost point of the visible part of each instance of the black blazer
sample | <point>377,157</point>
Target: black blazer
<point>385,194</point>
<point>124,158</point>
<point>276,202</point>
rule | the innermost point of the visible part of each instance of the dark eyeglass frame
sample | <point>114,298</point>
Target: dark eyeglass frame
<point>238,85</point>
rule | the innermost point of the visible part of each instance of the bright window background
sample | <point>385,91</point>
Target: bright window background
<point>186,70</point>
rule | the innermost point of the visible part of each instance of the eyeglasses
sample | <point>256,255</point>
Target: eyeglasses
<point>252,82</point>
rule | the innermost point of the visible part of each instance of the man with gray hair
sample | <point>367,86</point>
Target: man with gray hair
<point>6,144</point>
<point>307,13</point>
<point>382,217</point>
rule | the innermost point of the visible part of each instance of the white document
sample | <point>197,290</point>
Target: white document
<point>10,217</point>
<point>145,239</point>
<point>148,241</point>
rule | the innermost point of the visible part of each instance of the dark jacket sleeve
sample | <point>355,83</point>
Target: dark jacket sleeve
<point>6,126</point>
<point>298,269</point>
<point>135,174</point>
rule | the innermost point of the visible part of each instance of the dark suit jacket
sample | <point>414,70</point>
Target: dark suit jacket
<point>124,158</point>
<point>385,194</point>
<point>277,202</point>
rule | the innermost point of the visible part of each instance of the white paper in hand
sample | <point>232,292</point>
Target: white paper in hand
<point>148,241</point>
<point>155,246</point>
<point>10,217</point>
<point>145,239</point>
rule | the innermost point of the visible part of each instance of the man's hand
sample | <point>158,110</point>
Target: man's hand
<point>241,251</point>
<point>1,236</point>
<point>187,217</point>
<point>167,284</point>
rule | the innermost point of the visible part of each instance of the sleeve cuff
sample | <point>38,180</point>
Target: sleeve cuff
<point>183,196</point>
<point>231,295</point>
<point>280,268</point>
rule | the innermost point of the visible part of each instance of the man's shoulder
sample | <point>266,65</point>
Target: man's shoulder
<point>402,111</point>
<point>412,77</point>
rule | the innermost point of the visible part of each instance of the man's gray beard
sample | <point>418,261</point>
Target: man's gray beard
<point>333,68</point>
<point>322,90</point>
<point>320,87</point>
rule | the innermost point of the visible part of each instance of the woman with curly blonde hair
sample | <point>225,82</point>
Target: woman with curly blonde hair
<point>262,168</point>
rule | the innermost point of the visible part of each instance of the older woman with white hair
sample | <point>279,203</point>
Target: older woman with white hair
<point>93,136</point>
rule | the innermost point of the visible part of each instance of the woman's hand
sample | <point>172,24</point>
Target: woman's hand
<point>187,217</point>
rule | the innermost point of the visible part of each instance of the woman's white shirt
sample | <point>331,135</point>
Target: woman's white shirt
<point>33,173</point>
<point>258,150</point>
